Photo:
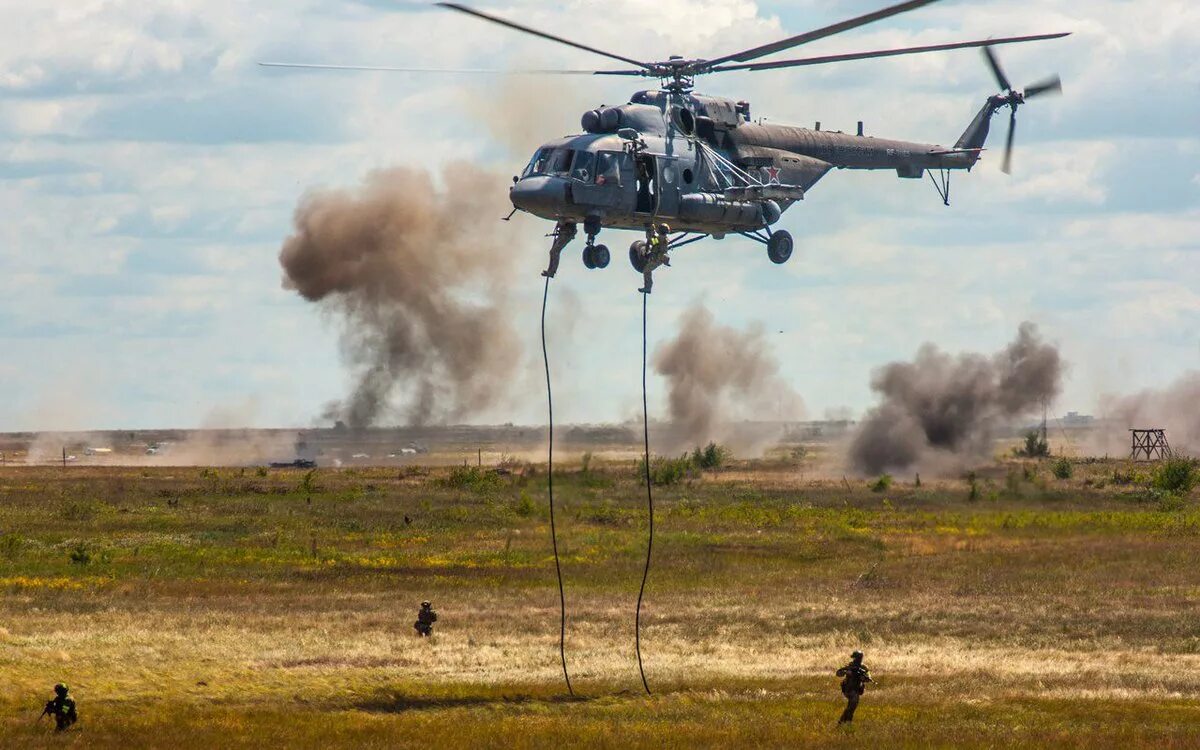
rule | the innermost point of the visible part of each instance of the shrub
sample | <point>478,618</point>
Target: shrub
<point>1012,483</point>
<point>585,463</point>
<point>883,484</point>
<point>80,555</point>
<point>1063,469</point>
<point>973,483</point>
<point>1176,475</point>
<point>472,478</point>
<point>309,483</point>
<point>710,456</point>
<point>524,506</point>
<point>665,471</point>
<point>11,546</point>
<point>1035,446</point>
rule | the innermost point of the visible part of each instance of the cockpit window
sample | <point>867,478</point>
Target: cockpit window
<point>608,167</point>
<point>580,165</point>
<point>582,168</point>
<point>539,163</point>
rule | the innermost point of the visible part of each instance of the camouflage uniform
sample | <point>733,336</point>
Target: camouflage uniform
<point>425,620</point>
<point>855,677</point>
<point>61,708</point>
<point>657,242</point>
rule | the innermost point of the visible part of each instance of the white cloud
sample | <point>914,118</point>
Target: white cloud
<point>136,238</point>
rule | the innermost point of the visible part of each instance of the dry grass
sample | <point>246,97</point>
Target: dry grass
<point>235,608</point>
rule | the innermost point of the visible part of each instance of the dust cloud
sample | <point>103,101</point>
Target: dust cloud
<point>939,409</point>
<point>419,277</point>
<point>716,374</point>
<point>1175,408</point>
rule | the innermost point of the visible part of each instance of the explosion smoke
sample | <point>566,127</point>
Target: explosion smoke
<point>938,405</point>
<point>419,278</point>
<point>1175,408</point>
<point>715,372</point>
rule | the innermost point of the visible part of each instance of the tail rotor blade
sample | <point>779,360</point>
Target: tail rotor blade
<point>1006,167</point>
<point>1052,85</point>
<point>996,69</point>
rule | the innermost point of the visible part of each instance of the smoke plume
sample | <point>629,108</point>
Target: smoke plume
<point>938,406</point>
<point>1175,408</point>
<point>716,373</point>
<point>418,276</point>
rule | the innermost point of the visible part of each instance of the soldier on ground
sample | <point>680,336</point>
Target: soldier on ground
<point>657,242</point>
<point>425,620</point>
<point>62,708</point>
<point>855,677</point>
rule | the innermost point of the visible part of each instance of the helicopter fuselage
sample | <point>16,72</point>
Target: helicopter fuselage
<point>700,165</point>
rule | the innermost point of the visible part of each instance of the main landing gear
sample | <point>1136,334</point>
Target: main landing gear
<point>779,244</point>
<point>779,247</point>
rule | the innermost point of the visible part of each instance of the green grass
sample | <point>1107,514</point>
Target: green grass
<point>231,608</point>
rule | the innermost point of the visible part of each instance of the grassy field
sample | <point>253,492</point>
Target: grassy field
<point>248,608</point>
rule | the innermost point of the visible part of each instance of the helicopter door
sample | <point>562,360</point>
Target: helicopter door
<point>668,186</point>
<point>646,174</point>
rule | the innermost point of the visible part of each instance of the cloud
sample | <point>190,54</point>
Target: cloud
<point>149,170</point>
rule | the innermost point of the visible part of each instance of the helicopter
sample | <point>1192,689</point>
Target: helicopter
<point>689,166</point>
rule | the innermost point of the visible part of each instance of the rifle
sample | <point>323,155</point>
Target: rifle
<point>45,712</point>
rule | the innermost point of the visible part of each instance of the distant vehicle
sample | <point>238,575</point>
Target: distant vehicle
<point>360,456</point>
<point>152,451</point>
<point>97,451</point>
<point>408,451</point>
<point>299,463</point>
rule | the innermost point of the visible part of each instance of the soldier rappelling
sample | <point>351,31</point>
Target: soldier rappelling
<point>658,242</point>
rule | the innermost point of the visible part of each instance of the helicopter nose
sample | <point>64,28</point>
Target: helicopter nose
<point>539,195</point>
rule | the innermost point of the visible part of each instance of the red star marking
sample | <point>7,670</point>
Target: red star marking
<point>772,175</point>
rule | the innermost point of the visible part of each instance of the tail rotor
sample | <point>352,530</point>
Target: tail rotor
<point>1013,99</point>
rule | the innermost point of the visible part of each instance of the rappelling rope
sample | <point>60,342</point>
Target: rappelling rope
<point>562,597</point>
<point>649,502</point>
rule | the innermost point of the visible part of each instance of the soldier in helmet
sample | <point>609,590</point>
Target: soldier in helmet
<point>62,708</point>
<point>425,620</point>
<point>855,677</point>
<point>657,242</point>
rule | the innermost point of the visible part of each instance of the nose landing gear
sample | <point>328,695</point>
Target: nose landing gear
<point>596,256</point>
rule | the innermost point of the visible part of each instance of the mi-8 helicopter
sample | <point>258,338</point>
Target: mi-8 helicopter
<point>675,162</point>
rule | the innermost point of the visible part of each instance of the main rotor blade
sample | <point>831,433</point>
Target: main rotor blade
<point>1052,85</point>
<point>1006,168</point>
<point>775,64</point>
<point>482,71</point>
<point>812,36</point>
<point>542,34</point>
<point>996,69</point>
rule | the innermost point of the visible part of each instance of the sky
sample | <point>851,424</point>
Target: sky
<point>149,170</point>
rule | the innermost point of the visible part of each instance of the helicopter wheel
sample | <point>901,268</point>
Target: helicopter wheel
<point>600,256</point>
<point>589,260</point>
<point>637,256</point>
<point>780,246</point>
